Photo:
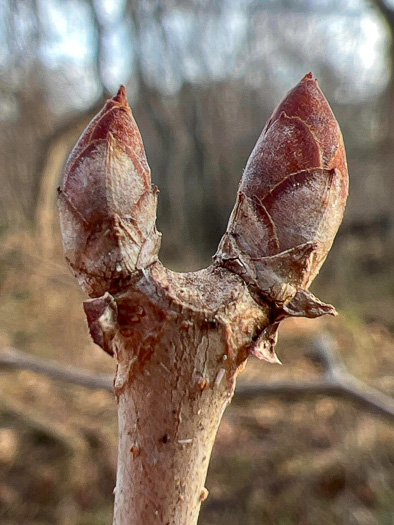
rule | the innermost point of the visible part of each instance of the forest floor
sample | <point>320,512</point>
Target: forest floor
<point>277,460</point>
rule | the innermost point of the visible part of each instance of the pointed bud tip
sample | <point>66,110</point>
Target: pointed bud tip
<point>120,97</point>
<point>308,76</point>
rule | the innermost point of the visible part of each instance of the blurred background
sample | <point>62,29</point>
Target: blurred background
<point>202,77</point>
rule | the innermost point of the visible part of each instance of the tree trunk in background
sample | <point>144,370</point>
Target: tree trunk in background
<point>52,157</point>
<point>386,152</point>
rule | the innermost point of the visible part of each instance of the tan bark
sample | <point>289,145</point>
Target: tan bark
<point>180,340</point>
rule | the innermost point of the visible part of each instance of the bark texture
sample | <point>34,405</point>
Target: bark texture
<point>181,339</point>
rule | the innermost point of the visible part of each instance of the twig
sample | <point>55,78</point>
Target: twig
<point>16,359</point>
<point>336,382</point>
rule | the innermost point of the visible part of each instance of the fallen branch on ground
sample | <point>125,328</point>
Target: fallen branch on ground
<point>336,381</point>
<point>60,432</point>
<point>12,358</point>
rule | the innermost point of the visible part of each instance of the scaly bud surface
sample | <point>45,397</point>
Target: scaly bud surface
<point>107,205</point>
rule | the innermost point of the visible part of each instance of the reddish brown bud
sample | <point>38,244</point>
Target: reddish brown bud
<point>107,205</point>
<point>290,203</point>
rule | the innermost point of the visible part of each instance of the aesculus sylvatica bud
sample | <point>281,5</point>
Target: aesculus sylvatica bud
<point>290,203</point>
<point>107,204</point>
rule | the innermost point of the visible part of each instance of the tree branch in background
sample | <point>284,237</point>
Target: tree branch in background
<point>336,380</point>
<point>386,11</point>
<point>13,359</point>
<point>38,422</point>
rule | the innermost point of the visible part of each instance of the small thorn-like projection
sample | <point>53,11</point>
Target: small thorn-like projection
<point>120,97</point>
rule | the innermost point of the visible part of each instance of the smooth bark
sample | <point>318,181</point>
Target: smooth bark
<point>180,340</point>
